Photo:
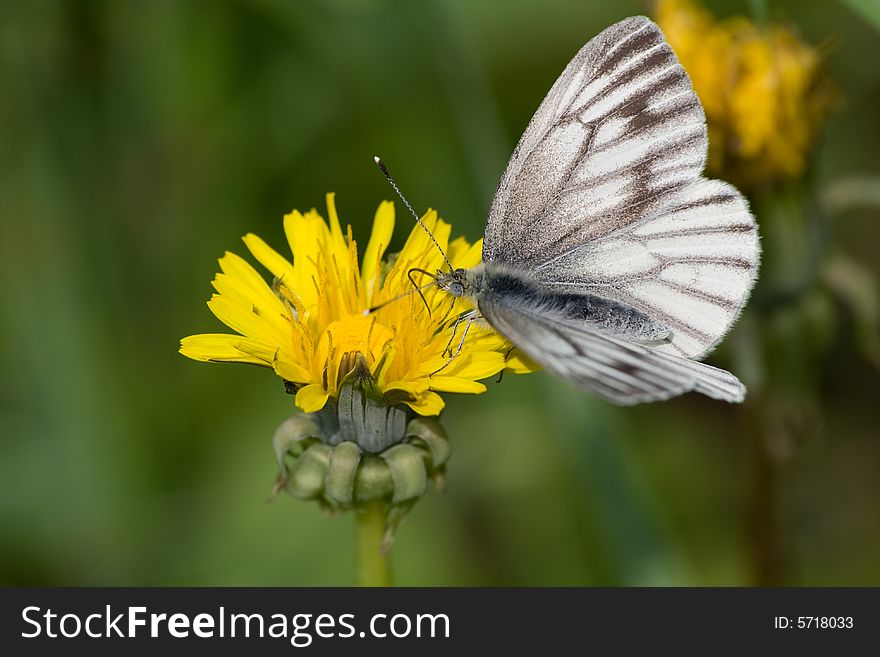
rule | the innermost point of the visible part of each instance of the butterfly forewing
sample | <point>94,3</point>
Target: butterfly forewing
<point>616,136</point>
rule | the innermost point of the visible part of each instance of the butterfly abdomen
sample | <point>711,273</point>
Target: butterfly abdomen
<point>510,288</point>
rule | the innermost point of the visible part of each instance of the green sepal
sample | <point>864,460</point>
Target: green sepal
<point>407,465</point>
<point>308,472</point>
<point>339,482</point>
<point>373,480</point>
<point>430,432</point>
<point>289,436</point>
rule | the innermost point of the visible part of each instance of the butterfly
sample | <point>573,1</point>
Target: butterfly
<point>608,258</point>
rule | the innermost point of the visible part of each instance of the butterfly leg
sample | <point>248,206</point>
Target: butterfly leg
<point>470,317</point>
<point>464,317</point>
<point>451,307</point>
<point>501,373</point>
<point>449,311</point>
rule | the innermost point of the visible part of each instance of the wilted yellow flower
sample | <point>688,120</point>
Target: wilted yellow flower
<point>312,322</point>
<point>763,90</point>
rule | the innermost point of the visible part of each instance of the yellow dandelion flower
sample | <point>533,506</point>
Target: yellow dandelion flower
<point>312,321</point>
<point>763,89</point>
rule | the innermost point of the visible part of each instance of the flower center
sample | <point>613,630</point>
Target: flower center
<point>351,334</point>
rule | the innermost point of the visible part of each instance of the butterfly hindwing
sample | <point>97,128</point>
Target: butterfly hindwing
<point>690,267</point>
<point>617,370</point>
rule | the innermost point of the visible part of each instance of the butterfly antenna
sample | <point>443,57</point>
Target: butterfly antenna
<point>409,275</point>
<point>384,170</point>
<point>370,311</point>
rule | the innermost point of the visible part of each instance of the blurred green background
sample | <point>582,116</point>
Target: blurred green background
<point>141,140</point>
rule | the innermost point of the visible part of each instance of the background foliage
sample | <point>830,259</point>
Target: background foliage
<point>141,140</point>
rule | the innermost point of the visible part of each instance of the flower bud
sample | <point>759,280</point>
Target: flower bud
<point>361,450</point>
<point>361,411</point>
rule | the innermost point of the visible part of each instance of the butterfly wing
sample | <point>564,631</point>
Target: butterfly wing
<point>616,370</point>
<point>605,194</point>
<point>689,268</point>
<point>619,132</point>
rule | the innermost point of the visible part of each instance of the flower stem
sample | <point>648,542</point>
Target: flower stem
<point>372,562</point>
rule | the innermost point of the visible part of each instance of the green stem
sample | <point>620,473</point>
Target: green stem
<point>372,562</point>
<point>766,553</point>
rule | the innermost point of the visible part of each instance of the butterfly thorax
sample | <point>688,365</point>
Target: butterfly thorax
<point>499,285</point>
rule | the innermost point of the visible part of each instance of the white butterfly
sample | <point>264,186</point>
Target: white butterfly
<point>608,257</point>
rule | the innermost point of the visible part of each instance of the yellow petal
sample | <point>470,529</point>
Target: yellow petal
<point>456,247</point>
<point>244,321</point>
<point>268,257</point>
<point>415,388</point>
<point>288,369</point>
<point>419,248</point>
<point>311,398</point>
<point>260,350</point>
<point>429,403</point>
<point>456,384</point>
<point>338,279</point>
<point>220,347</point>
<point>477,360</point>
<point>306,235</point>
<point>431,257</point>
<point>519,363</point>
<point>480,366</point>
<point>380,237</point>
<point>335,227</point>
<point>238,294</point>
<point>470,257</point>
<point>239,268</point>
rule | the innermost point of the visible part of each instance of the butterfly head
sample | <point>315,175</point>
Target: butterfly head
<point>458,282</point>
